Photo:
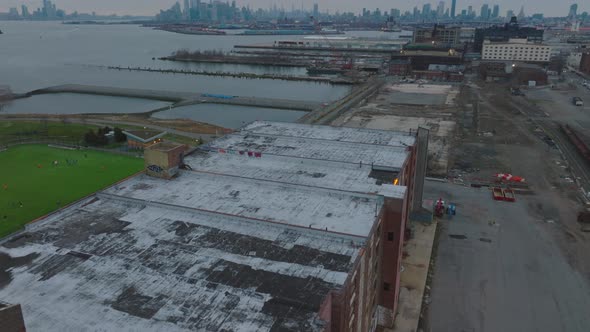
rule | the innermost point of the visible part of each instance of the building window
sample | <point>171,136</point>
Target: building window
<point>389,236</point>
<point>386,286</point>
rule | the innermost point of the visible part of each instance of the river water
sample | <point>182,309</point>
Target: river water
<point>41,54</point>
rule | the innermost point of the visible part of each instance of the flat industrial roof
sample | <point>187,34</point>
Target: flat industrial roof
<point>165,146</point>
<point>342,134</point>
<point>238,243</point>
<point>111,264</point>
<point>275,202</point>
<point>316,173</point>
<point>380,148</point>
<point>305,148</point>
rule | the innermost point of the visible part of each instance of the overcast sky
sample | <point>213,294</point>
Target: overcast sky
<point>150,7</point>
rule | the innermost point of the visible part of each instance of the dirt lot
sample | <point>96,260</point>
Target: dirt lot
<point>506,135</point>
<point>479,132</point>
<point>501,278</point>
<point>404,107</point>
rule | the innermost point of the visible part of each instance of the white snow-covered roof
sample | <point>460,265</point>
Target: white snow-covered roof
<point>275,202</point>
<point>330,133</point>
<point>316,173</point>
<point>307,148</point>
<point>236,243</point>
<point>111,265</point>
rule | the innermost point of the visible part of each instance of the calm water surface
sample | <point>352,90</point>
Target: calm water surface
<point>35,55</point>
<point>70,103</point>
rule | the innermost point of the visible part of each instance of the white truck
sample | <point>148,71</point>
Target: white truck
<point>578,101</point>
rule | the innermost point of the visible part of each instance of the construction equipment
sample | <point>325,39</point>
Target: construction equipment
<point>510,177</point>
<point>509,195</point>
<point>497,194</point>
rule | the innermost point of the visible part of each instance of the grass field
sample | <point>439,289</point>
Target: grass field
<point>31,186</point>
<point>14,130</point>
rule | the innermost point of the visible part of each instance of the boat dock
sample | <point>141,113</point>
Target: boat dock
<point>179,98</point>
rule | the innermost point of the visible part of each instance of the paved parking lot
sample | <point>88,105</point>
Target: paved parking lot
<point>497,269</point>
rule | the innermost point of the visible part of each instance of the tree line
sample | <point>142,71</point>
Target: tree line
<point>99,138</point>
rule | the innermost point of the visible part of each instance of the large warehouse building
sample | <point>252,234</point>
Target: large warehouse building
<point>276,227</point>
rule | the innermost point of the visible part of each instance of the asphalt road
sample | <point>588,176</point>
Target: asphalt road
<point>508,276</point>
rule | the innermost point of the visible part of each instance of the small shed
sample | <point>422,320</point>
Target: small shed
<point>141,139</point>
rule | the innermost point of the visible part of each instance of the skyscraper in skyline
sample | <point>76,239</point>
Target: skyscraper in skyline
<point>316,10</point>
<point>453,7</point>
<point>496,11</point>
<point>24,11</point>
<point>573,10</point>
<point>440,9</point>
<point>187,9</point>
<point>426,10</point>
<point>484,12</point>
<point>521,13</point>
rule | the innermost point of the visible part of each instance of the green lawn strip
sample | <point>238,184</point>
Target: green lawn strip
<point>13,130</point>
<point>68,132</point>
<point>32,186</point>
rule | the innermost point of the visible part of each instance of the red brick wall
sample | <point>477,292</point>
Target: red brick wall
<point>353,307</point>
<point>174,156</point>
<point>394,222</point>
<point>585,63</point>
<point>408,177</point>
<point>336,324</point>
<point>400,69</point>
<point>11,319</point>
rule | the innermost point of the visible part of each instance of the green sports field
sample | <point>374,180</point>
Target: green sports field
<point>32,185</point>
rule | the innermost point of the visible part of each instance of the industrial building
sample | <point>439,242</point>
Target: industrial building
<point>518,73</point>
<point>275,227</point>
<point>428,62</point>
<point>438,34</point>
<point>504,33</point>
<point>516,50</point>
<point>141,139</point>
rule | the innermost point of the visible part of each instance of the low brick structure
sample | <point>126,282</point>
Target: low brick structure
<point>11,318</point>
<point>585,63</point>
<point>163,159</point>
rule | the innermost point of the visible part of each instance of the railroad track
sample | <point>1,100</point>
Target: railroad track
<point>577,163</point>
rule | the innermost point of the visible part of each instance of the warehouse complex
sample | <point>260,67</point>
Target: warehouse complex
<point>276,227</point>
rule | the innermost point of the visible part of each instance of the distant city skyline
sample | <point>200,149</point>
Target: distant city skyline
<point>152,7</point>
